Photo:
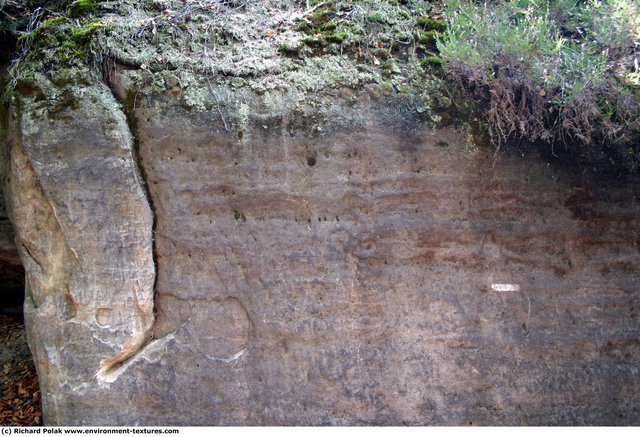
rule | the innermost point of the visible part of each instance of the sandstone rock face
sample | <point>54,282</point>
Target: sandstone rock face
<point>362,270</point>
<point>84,229</point>
<point>11,270</point>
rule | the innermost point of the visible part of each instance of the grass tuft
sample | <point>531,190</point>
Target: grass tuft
<point>558,71</point>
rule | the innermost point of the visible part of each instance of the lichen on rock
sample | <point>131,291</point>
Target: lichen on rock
<point>258,45</point>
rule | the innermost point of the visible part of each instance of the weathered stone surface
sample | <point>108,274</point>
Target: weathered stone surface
<point>11,270</point>
<point>368,271</point>
<point>83,226</point>
<point>387,274</point>
<point>219,226</point>
<point>325,262</point>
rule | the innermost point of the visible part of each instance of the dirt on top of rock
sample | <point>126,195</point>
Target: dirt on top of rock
<point>184,48</point>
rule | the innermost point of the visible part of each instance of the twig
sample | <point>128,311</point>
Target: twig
<point>215,97</point>
<point>135,98</point>
<point>319,5</point>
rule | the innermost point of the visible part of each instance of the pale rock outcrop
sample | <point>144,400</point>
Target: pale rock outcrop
<point>372,271</point>
<point>84,232</point>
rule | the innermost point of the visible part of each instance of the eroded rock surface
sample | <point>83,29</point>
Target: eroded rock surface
<point>389,274</point>
<point>84,226</point>
<point>371,271</point>
<point>232,233</point>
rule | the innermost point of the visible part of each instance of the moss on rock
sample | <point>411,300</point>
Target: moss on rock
<point>266,49</point>
<point>428,23</point>
<point>431,61</point>
<point>81,8</point>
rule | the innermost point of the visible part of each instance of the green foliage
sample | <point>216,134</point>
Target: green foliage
<point>550,69</point>
<point>378,17</point>
<point>429,23</point>
<point>477,34</point>
<point>428,37</point>
<point>431,61</point>
<point>560,42</point>
<point>374,28</point>
<point>322,28</point>
<point>56,40</point>
<point>80,8</point>
<point>59,40</point>
<point>17,16</point>
<point>338,37</point>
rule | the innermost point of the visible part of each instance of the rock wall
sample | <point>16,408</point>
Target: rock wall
<point>11,270</point>
<point>268,263</point>
<point>83,226</point>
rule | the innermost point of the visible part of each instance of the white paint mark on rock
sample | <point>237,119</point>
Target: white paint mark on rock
<point>505,287</point>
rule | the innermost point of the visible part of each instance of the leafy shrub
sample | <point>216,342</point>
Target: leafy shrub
<point>556,71</point>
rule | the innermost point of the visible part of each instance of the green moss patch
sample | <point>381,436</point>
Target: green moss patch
<point>428,23</point>
<point>81,8</point>
<point>431,61</point>
<point>57,41</point>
